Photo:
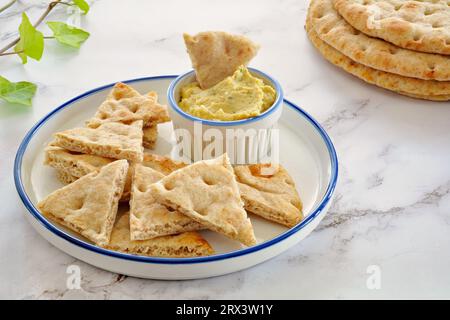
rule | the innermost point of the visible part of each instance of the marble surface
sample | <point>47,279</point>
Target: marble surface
<point>392,205</point>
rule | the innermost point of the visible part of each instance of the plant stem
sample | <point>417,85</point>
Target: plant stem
<point>6,6</point>
<point>50,7</point>
<point>49,37</point>
<point>10,53</point>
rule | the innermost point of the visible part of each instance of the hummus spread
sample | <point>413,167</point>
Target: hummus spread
<point>237,97</point>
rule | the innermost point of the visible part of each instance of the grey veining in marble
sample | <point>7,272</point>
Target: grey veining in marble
<point>392,205</point>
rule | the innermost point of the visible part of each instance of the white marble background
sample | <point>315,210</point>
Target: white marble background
<point>392,206</point>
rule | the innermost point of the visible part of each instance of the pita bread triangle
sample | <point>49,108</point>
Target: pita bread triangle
<point>162,164</point>
<point>272,196</point>
<point>150,135</point>
<point>111,140</point>
<point>187,244</point>
<point>74,163</point>
<point>126,105</point>
<point>216,55</point>
<point>207,192</point>
<point>148,218</point>
<point>89,205</point>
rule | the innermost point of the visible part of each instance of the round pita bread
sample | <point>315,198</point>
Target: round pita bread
<point>418,25</point>
<point>373,52</point>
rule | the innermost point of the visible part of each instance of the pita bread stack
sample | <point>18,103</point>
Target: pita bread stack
<point>86,159</point>
<point>401,46</point>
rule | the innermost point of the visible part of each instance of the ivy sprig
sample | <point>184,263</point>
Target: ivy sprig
<point>30,44</point>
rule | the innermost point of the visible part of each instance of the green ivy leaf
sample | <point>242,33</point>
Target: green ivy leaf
<point>68,35</point>
<point>83,5</point>
<point>31,41</point>
<point>17,92</point>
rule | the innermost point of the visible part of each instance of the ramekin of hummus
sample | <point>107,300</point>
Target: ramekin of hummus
<point>237,97</point>
<point>248,101</point>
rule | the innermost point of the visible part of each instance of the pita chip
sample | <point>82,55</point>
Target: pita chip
<point>164,165</point>
<point>148,218</point>
<point>65,177</point>
<point>150,135</point>
<point>270,194</point>
<point>89,205</point>
<point>74,163</point>
<point>126,105</point>
<point>111,140</point>
<point>216,55</point>
<point>207,192</point>
<point>184,245</point>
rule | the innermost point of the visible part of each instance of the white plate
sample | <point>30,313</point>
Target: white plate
<point>306,152</point>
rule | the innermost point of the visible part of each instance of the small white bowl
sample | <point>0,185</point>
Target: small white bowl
<point>253,146</point>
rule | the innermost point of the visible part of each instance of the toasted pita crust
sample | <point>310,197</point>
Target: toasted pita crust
<point>415,88</point>
<point>89,205</point>
<point>421,25</point>
<point>164,165</point>
<point>148,218</point>
<point>150,135</point>
<point>216,55</point>
<point>74,163</point>
<point>111,140</point>
<point>273,197</point>
<point>64,177</point>
<point>126,105</point>
<point>188,244</point>
<point>332,28</point>
<point>207,192</point>
<point>71,165</point>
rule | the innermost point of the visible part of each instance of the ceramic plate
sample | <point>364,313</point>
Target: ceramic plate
<point>306,152</point>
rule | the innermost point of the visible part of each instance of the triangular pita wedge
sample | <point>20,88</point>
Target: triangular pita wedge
<point>217,55</point>
<point>74,163</point>
<point>65,177</point>
<point>272,196</point>
<point>148,218</point>
<point>71,165</point>
<point>207,192</point>
<point>164,165</point>
<point>126,105</point>
<point>89,205</point>
<point>188,244</point>
<point>150,135</point>
<point>111,140</point>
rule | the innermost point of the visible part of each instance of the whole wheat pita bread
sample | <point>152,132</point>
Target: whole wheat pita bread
<point>162,164</point>
<point>64,177</point>
<point>111,140</point>
<point>273,197</point>
<point>418,25</point>
<point>216,55</point>
<point>89,205</point>
<point>150,135</point>
<point>148,218</point>
<point>207,192</point>
<point>373,52</point>
<point>74,163</point>
<point>126,105</point>
<point>184,245</point>
<point>71,166</point>
<point>416,88</point>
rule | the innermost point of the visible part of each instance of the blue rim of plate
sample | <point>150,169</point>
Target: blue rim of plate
<point>276,104</point>
<point>36,214</point>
